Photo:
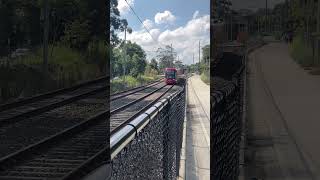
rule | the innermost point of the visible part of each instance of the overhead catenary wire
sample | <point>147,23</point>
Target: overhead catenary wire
<point>148,31</point>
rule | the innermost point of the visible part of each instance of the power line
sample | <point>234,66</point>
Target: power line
<point>143,24</point>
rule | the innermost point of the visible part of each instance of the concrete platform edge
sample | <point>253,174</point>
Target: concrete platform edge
<point>242,175</point>
<point>182,166</point>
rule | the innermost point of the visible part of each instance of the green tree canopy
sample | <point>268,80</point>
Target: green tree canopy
<point>166,57</point>
<point>154,64</point>
<point>135,61</point>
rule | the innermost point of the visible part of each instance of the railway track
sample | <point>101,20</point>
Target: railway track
<point>16,111</point>
<point>121,115</point>
<point>75,151</point>
<point>18,134</point>
<point>49,95</point>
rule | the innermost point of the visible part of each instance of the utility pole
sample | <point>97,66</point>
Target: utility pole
<point>171,56</point>
<point>287,15</point>
<point>199,56</point>
<point>193,57</point>
<point>231,28</point>
<point>125,53</point>
<point>266,16</point>
<point>318,31</point>
<point>258,20</point>
<point>46,36</point>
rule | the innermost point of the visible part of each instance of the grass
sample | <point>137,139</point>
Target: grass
<point>129,82</point>
<point>67,65</point>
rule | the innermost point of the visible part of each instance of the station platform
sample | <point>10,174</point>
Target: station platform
<point>197,131</point>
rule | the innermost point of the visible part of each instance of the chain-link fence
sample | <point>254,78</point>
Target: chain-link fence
<point>149,147</point>
<point>226,120</point>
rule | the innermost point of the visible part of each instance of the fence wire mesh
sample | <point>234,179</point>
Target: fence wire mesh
<point>155,152</point>
<point>226,119</point>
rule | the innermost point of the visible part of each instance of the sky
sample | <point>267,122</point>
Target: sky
<point>182,23</point>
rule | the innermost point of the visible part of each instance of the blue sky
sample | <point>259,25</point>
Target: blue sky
<point>182,23</point>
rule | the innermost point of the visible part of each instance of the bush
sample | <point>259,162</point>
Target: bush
<point>300,52</point>
<point>150,72</point>
<point>277,35</point>
<point>205,77</point>
<point>65,65</point>
<point>97,53</point>
<point>129,82</point>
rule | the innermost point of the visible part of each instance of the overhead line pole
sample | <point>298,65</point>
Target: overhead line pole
<point>171,56</point>
<point>193,57</point>
<point>266,15</point>
<point>125,53</point>
<point>199,56</point>
<point>318,31</point>
<point>46,36</point>
<point>231,24</point>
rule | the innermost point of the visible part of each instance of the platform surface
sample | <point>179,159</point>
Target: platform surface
<point>198,130</point>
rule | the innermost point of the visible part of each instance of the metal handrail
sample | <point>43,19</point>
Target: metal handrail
<point>124,136</point>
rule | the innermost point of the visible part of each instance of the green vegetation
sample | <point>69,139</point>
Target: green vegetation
<point>205,77</point>
<point>133,64</point>
<point>166,57</point>
<point>66,63</point>
<point>205,64</point>
<point>129,59</point>
<point>193,68</point>
<point>277,35</point>
<point>300,52</point>
<point>128,82</point>
<point>77,47</point>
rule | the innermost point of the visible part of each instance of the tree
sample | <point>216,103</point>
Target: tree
<point>139,64</point>
<point>154,64</point>
<point>178,64</point>
<point>77,34</point>
<point>116,64</point>
<point>116,24</point>
<point>223,8</point>
<point>166,56</point>
<point>205,53</point>
<point>136,60</point>
<point>6,26</point>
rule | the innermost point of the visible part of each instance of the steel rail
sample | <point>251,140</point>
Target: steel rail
<point>102,153</point>
<point>141,88</point>
<point>126,134</point>
<point>37,111</point>
<point>61,136</point>
<point>49,94</point>
<point>135,101</point>
<point>140,111</point>
<point>73,128</point>
<point>121,92</point>
<point>28,135</point>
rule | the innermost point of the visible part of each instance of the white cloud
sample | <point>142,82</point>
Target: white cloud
<point>195,14</point>
<point>123,6</point>
<point>165,17</point>
<point>184,39</point>
<point>148,23</point>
